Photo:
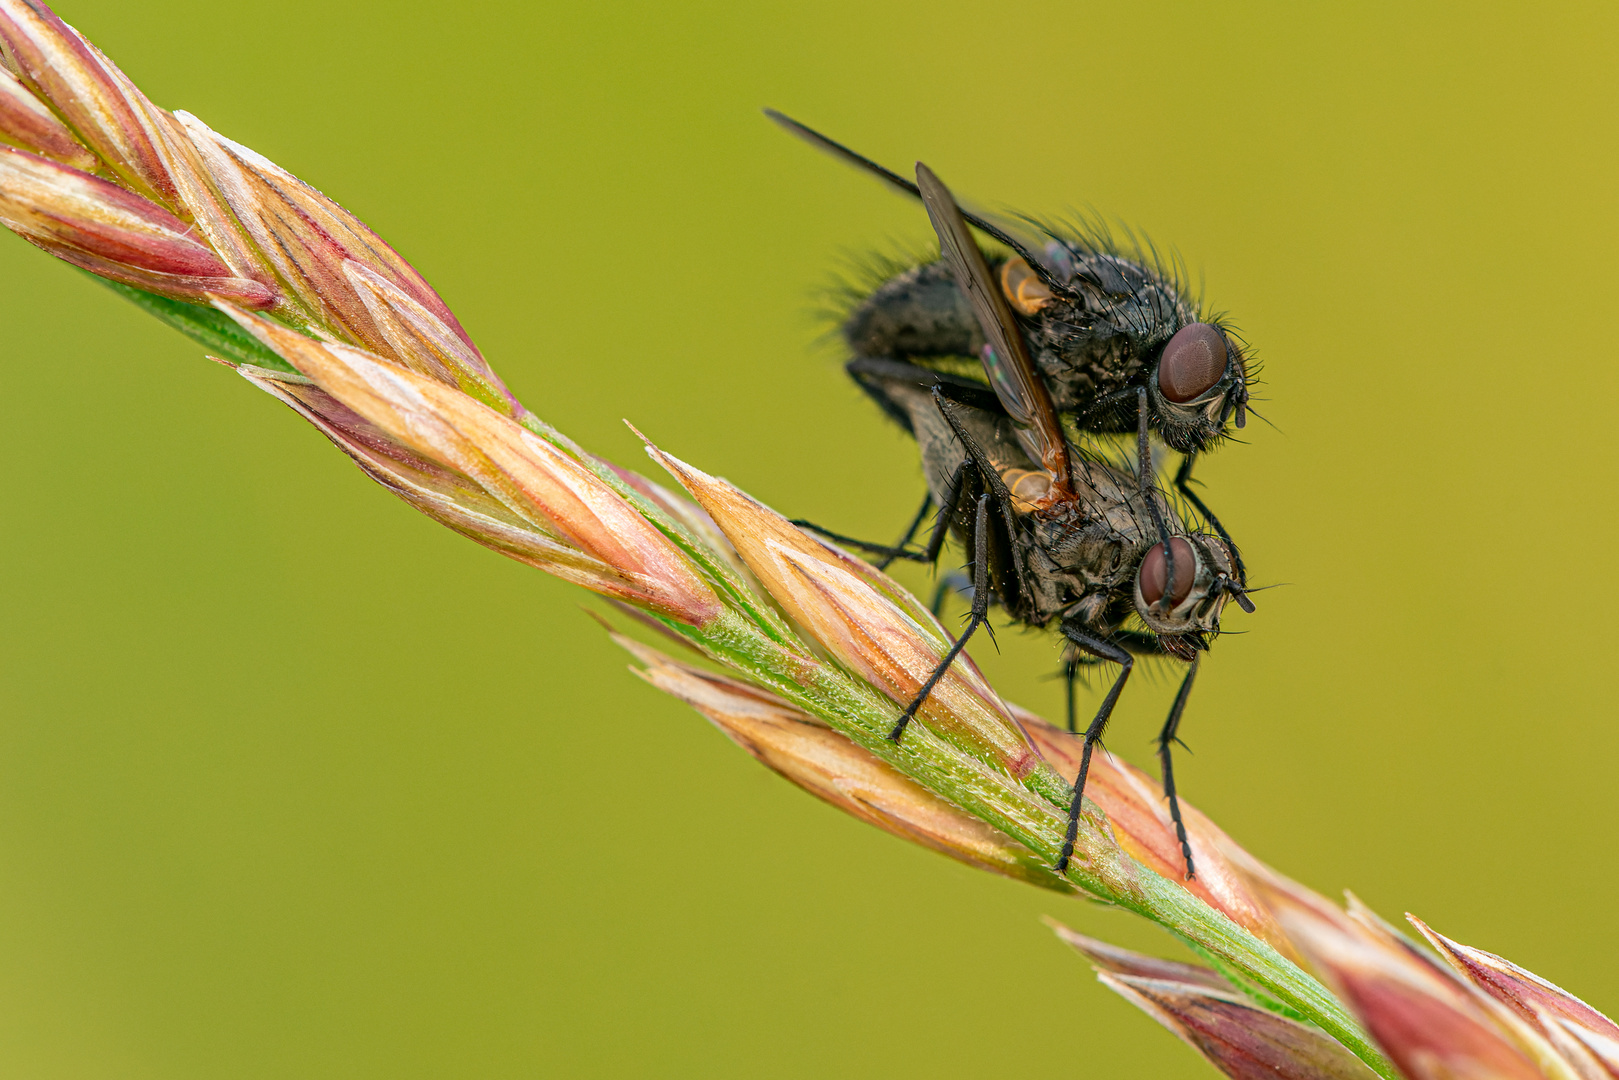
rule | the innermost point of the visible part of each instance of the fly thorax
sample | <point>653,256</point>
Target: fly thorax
<point>1082,553</point>
<point>1079,363</point>
<point>1180,587</point>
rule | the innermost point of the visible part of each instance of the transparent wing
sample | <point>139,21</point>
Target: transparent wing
<point>1006,358</point>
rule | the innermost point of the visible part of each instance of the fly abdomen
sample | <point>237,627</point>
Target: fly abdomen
<point>919,313</point>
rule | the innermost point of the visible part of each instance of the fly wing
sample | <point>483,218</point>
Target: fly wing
<point>965,437</point>
<point>1006,358</point>
<point>1016,236</point>
<point>905,391</point>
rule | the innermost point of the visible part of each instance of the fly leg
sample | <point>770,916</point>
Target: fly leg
<point>1102,650</point>
<point>902,550</point>
<point>1017,588</point>
<point>904,544</point>
<point>1148,489</point>
<point>980,612</point>
<point>1165,738</point>
<point>951,582</point>
<point>1071,676</point>
<point>888,552</point>
<point>1183,484</point>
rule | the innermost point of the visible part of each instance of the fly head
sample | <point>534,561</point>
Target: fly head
<point>1179,596</point>
<point>1116,325</point>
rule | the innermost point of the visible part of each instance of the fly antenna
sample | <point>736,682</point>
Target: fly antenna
<point>1255,412</point>
<point>1236,590</point>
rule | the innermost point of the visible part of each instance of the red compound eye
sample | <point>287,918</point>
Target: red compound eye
<point>1193,361</point>
<point>1155,572</point>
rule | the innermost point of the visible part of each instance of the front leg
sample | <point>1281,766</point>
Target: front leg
<point>1102,650</point>
<point>1145,645</point>
<point>904,544</point>
<point>902,550</point>
<point>887,552</point>
<point>953,582</point>
<point>1166,737</point>
<point>1183,484</point>
<point>1149,488</point>
<point>980,612</point>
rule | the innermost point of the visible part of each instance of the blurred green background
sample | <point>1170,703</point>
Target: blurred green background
<point>294,782</point>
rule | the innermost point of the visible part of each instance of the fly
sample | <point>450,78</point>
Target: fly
<point>1053,536</point>
<point>1113,338</point>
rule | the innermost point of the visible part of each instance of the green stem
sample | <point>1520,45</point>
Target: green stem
<point>1210,932</point>
<point>1033,813</point>
<point>213,330</point>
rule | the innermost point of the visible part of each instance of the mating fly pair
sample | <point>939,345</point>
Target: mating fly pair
<point>991,366</point>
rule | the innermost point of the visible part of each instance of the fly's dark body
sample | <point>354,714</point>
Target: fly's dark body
<point>1075,560</point>
<point>996,364</point>
<point>1100,324</point>
<point>1093,351</point>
